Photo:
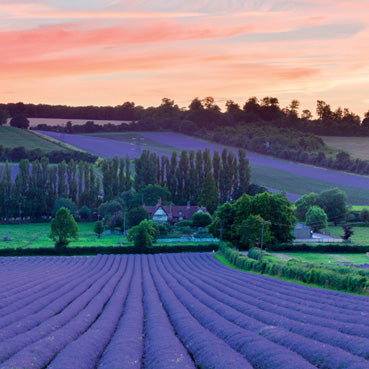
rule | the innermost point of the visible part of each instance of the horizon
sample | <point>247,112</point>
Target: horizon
<point>104,53</point>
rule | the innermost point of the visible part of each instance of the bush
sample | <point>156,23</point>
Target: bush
<point>84,213</point>
<point>254,253</point>
<point>340,278</point>
<point>201,219</point>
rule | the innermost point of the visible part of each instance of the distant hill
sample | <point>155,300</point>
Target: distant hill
<point>14,137</point>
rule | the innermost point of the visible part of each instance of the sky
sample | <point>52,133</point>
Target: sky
<point>95,52</point>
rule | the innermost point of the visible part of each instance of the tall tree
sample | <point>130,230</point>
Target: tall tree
<point>209,194</point>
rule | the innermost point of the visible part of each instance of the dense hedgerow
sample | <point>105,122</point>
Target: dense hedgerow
<point>69,251</point>
<point>340,278</point>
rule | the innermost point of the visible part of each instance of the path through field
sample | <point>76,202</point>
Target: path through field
<point>171,311</point>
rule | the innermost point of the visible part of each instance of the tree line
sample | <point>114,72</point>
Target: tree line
<point>16,154</point>
<point>204,113</point>
<point>38,185</point>
<point>192,176</point>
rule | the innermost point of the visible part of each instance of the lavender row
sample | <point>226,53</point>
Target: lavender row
<point>346,302</point>
<point>83,353</point>
<point>351,324</point>
<point>37,312</point>
<point>78,307</point>
<point>323,356</point>
<point>162,349</point>
<point>126,346</point>
<point>50,289</point>
<point>258,351</point>
<point>208,350</point>
<point>355,345</point>
<point>25,278</point>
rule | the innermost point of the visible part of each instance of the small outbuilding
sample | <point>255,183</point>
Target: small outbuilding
<point>302,231</point>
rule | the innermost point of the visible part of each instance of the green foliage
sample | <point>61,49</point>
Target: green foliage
<point>340,278</point>
<point>109,208</point>
<point>209,193</point>
<point>303,204</point>
<point>275,208</point>
<point>65,203</point>
<point>136,215</point>
<point>99,228</point>
<point>201,219</point>
<point>364,215</point>
<point>316,218</point>
<point>250,232</point>
<point>63,228</point>
<point>84,213</point>
<point>254,253</point>
<point>143,234</point>
<point>153,192</point>
<point>334,203</point>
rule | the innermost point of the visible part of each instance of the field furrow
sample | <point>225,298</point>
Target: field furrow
<point>171,311</point>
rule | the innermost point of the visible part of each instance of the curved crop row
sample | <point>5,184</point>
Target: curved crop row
<point>171,311</point>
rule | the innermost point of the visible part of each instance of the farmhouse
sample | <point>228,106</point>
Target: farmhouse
<point>173,213</point>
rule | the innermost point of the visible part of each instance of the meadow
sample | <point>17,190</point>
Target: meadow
<point>171,311</point>
<point>35,235</point>
<point>312,257</point>
<point>357,147</point>
<point>13,137</point>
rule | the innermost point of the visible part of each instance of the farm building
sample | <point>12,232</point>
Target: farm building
<point>173,213</point>
<point>302,231</point>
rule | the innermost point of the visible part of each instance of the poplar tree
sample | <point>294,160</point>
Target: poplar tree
<point>244,171</point>
<point>121,181</point>
<point>127,176</point>
<point>209,194</point>
<point>216,167</point>
<point>62,188</point>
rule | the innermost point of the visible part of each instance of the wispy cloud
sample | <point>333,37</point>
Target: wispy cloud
<point>99,51</point>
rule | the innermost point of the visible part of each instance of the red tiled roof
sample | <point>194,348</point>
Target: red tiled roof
<point>175,212</point>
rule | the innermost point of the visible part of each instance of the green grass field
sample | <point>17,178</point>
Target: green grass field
<point>13,137</point>
<point>35,235</point>
<point>322,258</point>
<point>301,185</point>
<point>360,236</point>
<point>357,147</point>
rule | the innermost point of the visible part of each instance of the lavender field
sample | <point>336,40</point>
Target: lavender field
<point>171,311</point>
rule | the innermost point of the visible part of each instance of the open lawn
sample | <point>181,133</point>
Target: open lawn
<point>357,147</point>
<point>321,258</point>
<point>35,235</point>
<point>360,236</point>
<point>14,137</point>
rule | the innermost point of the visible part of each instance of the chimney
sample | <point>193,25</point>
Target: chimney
<point>159,202</point>
<point>188,204</point>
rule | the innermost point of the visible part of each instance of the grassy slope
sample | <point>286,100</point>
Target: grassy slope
<point>300,185</point>
<point>14,137</point>
<point>357,147</point>
<point>265,176</point>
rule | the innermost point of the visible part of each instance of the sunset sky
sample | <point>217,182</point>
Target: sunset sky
<point>95,52</point>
